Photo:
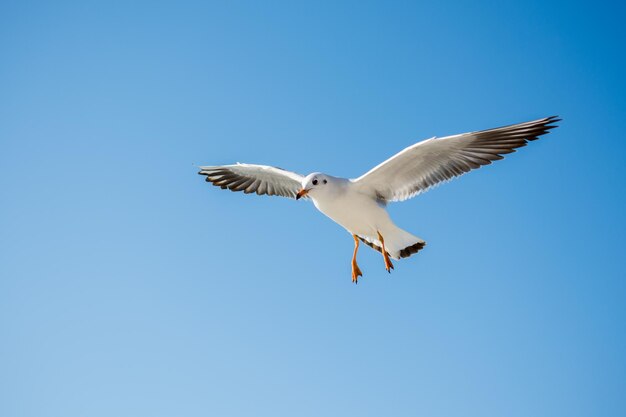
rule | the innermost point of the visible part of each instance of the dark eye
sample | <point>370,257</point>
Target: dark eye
<point>314,182</point>
<point>325,181</point>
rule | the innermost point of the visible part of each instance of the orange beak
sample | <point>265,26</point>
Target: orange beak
<point>301,193</point>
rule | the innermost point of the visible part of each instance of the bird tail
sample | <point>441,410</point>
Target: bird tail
<point>398,243</point>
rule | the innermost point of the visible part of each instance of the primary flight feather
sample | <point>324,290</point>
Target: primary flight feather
<point>358,204</point>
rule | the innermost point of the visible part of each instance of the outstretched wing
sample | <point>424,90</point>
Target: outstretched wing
<point>430,162</point>
<point>249,178</point>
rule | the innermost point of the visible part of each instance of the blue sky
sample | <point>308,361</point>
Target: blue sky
<point>129,287</point>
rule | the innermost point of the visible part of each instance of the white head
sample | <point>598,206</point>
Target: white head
<point>313,184</point>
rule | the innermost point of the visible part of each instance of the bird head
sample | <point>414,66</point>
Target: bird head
<point>312,183</point>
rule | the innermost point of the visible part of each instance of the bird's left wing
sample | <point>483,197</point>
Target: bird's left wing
<point>430,162</point>
<point>250,178</point>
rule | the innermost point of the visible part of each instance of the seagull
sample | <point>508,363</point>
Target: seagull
<point>359,205</point>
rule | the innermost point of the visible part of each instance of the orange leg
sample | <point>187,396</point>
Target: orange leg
<point>356,272</point>
<point>388,264</point>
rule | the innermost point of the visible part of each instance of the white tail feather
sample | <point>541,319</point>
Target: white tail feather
<point>398,243</point>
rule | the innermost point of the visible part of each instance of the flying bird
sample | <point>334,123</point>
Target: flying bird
<point>359,205</point>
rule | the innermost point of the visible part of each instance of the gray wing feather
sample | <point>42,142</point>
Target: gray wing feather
<point>426,164</point>
<point>249,178</point>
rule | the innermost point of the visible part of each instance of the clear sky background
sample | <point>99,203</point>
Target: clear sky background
<point>130,287</point>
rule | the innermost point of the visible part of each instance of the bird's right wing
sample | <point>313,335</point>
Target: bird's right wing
<point>250,178</point>
<point>433,161</point>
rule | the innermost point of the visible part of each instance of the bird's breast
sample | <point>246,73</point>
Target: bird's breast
<point>358,213</point>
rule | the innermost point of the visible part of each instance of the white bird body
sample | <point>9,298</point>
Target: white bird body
<point>361,214</point>
<point>358,205</point>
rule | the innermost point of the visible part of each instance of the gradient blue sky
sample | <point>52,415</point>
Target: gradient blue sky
<point>129,287</point>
